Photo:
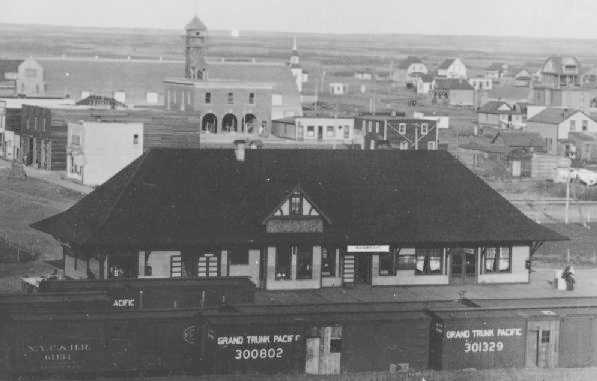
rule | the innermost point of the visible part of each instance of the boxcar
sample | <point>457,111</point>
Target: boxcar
<point>315,339</point>
<point>578,337</point>
<point>133,294</point>
<point>493,338</point>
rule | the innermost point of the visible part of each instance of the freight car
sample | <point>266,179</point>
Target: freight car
<point>132,294</point>
<point>315,339</point>
<point>109,343</point>
<point>82,333</point>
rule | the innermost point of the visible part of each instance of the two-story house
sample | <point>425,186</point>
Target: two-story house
<point>397,132</point>
<point>555,124</point>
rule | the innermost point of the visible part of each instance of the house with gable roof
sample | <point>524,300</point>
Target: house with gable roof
<point>452,68</point>
<point>408,70</point>
<point>500,115</point>
<point>21,78</point>
<point>453,91</point>
<point>554,125</point>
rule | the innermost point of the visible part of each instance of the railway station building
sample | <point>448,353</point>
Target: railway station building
<point>298,219</point>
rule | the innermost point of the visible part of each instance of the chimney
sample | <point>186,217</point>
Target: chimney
<point>239,150</point>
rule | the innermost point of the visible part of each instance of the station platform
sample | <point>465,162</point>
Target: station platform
<point>540,287</point>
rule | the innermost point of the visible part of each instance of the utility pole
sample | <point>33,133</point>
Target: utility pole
<point>567,198</point>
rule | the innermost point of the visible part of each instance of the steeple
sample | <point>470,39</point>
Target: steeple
<point>195,46</point>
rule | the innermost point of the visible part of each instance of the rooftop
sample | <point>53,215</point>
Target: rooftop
<point>196,197</point>
<point>195,24</point>
<point>552,115</point>
<point>9,66</point>
<point>446,63</point>
<point>496,107</point>
<point>405,63</point>
<point>453,84</point>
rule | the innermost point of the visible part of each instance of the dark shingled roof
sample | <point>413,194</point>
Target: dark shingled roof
<point>176,197</point>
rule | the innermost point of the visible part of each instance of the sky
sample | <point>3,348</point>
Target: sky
<point>529,18</point>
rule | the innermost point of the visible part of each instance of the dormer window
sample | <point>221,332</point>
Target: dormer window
<point>296,204</point>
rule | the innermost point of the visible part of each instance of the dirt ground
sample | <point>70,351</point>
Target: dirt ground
<point>23,202</point>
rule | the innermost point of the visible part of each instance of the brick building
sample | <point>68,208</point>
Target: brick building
<point>231,96</point>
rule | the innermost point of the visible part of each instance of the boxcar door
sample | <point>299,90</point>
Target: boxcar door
<point>542,343</point>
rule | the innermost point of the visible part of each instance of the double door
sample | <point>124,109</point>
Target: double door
<point>463,266</point>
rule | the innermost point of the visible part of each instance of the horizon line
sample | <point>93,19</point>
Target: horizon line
<point>164,29</point>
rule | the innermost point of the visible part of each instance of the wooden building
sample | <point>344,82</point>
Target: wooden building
<point>388,131</point>
<point>500,115</point>
<point>298,219</point>
<point>43,131</point>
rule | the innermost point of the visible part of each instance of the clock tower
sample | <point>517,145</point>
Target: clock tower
<point>195,46</point>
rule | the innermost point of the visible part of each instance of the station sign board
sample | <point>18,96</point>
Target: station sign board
<point>368,248</point>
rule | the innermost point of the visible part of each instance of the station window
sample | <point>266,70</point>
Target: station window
<point>428,261</point>
<point>251,98</point>
<point>135,139</point>
<point>406,259</point>
<point>585,125</point>
<point>387,264</point>
<point>346,132</point>
<point>330,131</point>
<point>496,259</point>
<point>175,266</point>
<point>238,256</point>
<point>230,98</point>
<point>296,204</point>
<point>431,146</point>
<point>573,125</point>
<point>310,131</point>
<point>207,98</point>
<point>335,345</point>
<point>304,261</point>
<point>545,336</point>
<point>402,128</point>
<point>404,145</point>
<point>283,262</point>
<point>424,129</point>
<point>328,261</point>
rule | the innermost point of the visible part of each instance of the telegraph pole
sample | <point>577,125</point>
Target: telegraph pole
<point>567,197</point>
